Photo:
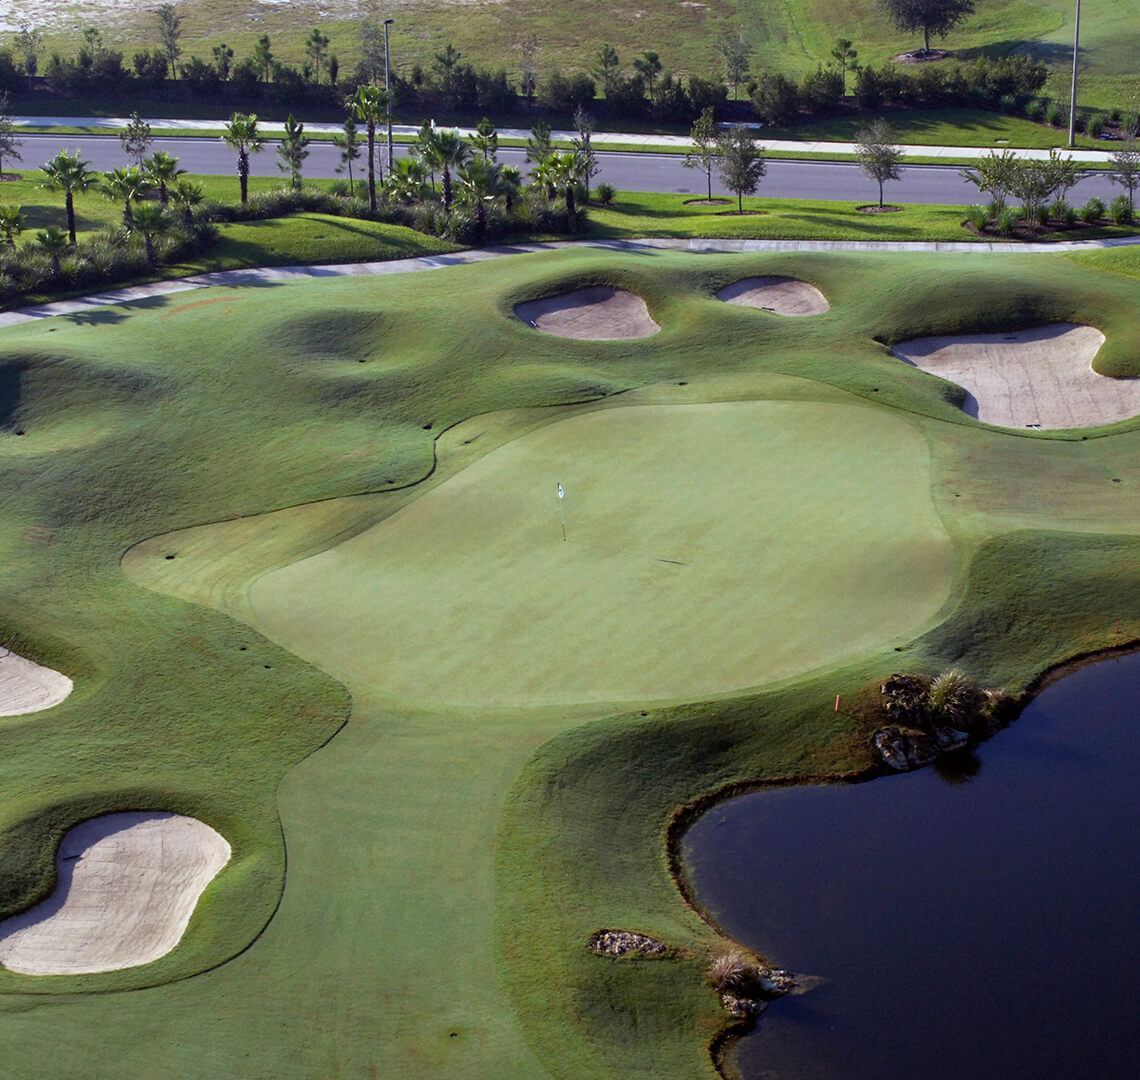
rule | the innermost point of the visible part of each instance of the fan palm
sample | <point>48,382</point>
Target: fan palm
<point>53,242</point>
<point>12,222</point>
<point>372,105</point>
<point>68,173</point>
<point>480,182</point>
<point>126,184</point>
<point>163,171</point>
<point>186,194</point>
<point>241,134</point>
<point>447,151</point>
<point>563,171</point>
<point>407,181</point>
<point>150,220</point>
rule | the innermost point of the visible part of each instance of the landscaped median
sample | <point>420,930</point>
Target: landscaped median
<point>231,513</point>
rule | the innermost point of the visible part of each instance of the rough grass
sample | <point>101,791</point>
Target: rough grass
<point>499,839</point>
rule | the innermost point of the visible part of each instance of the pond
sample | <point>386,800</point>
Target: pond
<point>976,921</point>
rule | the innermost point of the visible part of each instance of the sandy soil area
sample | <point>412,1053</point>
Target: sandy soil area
<point>128,884</point>
<point>599,313</point>
<point>782,295</point>
<point>1034,378</point>
<point>27,687</point>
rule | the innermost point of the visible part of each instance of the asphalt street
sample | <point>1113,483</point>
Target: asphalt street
<point>841,181</point>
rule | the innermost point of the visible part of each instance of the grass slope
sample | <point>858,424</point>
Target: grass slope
<point>447,864</point>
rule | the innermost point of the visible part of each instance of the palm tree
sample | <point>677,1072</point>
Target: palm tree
<point>425,140</point>
<point>480,182</point>
<point>562,170</point>
<point>446,152</point>
<point>163,170</point>
<point>126,184</point>
<point>186,194</point>
<point>372,105</point>
<point>150,220</point>
<point>407,182</point>
<point>12,222</point>
<point>69,174</point>
<point>510,176</point>
<point>53,242</point>
<point>486,139</point>
<point>241,134</point>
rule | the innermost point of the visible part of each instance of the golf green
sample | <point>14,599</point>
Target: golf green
<point>708,547</point>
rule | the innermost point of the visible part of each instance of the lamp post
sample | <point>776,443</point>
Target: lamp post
<point>388,90</point>
<point>1073,95</point>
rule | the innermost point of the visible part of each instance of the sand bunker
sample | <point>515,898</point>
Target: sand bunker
<point>128,884</point>
<point>782,295</point>
<point>1040,378</point>
<point>27,687</point>
<point>599,313</point>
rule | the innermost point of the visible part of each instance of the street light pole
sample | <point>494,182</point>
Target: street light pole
<point>1073,95</point>
<point>388,88</point>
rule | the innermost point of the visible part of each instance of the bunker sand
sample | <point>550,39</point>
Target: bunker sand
<point>599,313</point>
<point>27,687</point>
<point>1041,377</point>
<point>708,548</point>
<point>128,884</point>
<point>780,295</point>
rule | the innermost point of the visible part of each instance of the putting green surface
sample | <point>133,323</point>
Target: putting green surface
<point>708,548</point>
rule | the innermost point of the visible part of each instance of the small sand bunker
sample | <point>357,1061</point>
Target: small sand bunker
<point>128,884</point>
<point>599,313</point>
<point>1039,378</point>
<point>27,687</point>
<point>781,295</point>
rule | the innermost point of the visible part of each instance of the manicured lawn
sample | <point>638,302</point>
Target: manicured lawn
<point>209,482</point>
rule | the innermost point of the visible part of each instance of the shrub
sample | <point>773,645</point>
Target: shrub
<point>1054,114</point>
<point>1120,210</point>
<point>605,193</point>
<point>1095,126</point>
<point>731,971</point>
<point>1092,211</point>
<point>1008,103</point>
<point>1114,116</point>
<point>1035,111</point>
<point>776,100</point>
<point>1006,221</point>
<point>1041,215</point>
<point>978,216</point>
<point>954,698</point>
<point>1082,122</point>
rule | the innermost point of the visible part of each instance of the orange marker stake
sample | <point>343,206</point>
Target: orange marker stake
<point>837,703</point>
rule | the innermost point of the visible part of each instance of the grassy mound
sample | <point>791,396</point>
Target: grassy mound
<point>449,863</point>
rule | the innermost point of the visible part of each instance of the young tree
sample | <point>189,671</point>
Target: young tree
<point>372,105</point>
<point>370,69</point>
<point>186,194</point>
<point>126,185</point>
<point>163,170</point>
<point>607,68</point>
<point>705,150</point>
<point>528,64</point>
<point>349,143</point>
<point>9,144</point>
<point>53,242</point>
<point>486,139</point>
<point>1124,168</point>
<point>223,60</point>
<point>68,173</point>
<point>27,44</point>
<point>538,146</point>
<point>736,53</point>
<point>150,221</point>
<point>846,58</point>
<point>169,31</point>
<point>241,134</point>
<point>878,156</point>
<point>292,150</point>
<point>741,162</point>
<point>583,148</point>
<point>316,49</point>
<point>930,16</point>
<point>135,139</point>
<point>263,57</point>
<point>648,66</point>
<point>12,222</point>
<point>994,174</point>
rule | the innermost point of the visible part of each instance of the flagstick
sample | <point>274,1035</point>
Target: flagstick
<point>561,515</point>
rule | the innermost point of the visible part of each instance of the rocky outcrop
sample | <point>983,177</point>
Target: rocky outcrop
<point>625,943</point>
<point>903,752</point>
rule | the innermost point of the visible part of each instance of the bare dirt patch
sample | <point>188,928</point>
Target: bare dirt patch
<point>27,687</point>
<point>875,208</point>
<point>128,884</point>
<point>781,295</point>
<point>1039,378</point>
<point>597,313</point>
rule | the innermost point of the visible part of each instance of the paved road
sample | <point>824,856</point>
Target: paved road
<point>627,172</point>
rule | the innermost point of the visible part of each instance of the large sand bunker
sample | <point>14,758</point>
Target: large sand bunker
<point>599,313</point>
<point>781,295</point>
<point>27,687</point>
<point>1039,378</point>
<point>128,884</point>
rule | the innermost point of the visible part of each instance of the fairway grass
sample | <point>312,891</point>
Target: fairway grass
<point>448,857</point>
<point>708,548</point>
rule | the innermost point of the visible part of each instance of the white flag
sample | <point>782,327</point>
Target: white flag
<point>561,493</point>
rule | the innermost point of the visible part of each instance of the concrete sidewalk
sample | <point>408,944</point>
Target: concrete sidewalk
<point>670,143</point>
<point>280,274</point>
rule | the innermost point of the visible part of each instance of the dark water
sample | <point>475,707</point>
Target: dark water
<point>969,927</point>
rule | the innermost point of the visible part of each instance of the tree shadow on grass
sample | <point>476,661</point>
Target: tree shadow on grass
<point>875,229</point>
